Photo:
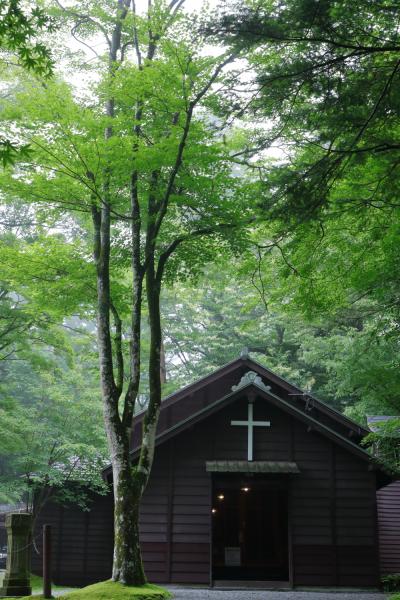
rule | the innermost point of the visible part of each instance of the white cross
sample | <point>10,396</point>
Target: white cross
<point>250,423</point>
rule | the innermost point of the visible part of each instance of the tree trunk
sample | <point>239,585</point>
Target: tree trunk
<point>163,366</point>
<point>127,564</point>
<point>153,410</point>
<point>130,482</point>
<point>128,488</point>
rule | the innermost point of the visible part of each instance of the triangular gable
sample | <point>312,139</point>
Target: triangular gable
<point>297,396</point>
<point>267,395</point>
<point>181,407</point>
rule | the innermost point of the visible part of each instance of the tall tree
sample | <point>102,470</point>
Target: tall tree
<point>143,157</point>
<point>52,443</point>
<point>327,91</point>
<point>328,77</point>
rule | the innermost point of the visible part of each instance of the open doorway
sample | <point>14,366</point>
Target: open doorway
<point>250,529</point>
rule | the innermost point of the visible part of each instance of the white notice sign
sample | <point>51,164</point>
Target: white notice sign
<point>232,556</point>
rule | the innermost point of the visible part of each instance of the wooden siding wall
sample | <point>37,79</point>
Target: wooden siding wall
<point>331,504</point>
<point>175,515</point>
<point>333,515</point>
<point>82,542</point>
<point>389,528</point>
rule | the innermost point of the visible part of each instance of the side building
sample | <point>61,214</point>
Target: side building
<point>388,499</point>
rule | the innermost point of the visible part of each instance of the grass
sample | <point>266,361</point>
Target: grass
<point>37,586</point>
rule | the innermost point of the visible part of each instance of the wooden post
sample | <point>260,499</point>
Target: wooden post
<point>47,561</point>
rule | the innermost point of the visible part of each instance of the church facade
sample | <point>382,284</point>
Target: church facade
<point>253,481</point>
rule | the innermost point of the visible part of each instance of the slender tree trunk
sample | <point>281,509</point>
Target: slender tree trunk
<point>127,564</point>
<point>130,482</point>
<point>163,366</point>
<point>151,419</point>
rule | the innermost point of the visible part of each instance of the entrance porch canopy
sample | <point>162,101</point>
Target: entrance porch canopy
<point>255,466</point>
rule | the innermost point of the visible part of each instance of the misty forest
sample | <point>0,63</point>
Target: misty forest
<point>182,184</point>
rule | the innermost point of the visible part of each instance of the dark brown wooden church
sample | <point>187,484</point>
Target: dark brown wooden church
<point>252,481</point>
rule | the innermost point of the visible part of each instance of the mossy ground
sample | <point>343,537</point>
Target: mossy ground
<point>35,596</point>
<point>110,590</point>
<point>105,590</point>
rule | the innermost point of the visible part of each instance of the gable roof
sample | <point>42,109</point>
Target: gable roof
<point>192,403</point>
<point>262,392</point>
<point>302,397</point>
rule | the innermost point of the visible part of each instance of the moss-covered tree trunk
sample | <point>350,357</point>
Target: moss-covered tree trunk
<point>127,562</point>
<point>130,480</point>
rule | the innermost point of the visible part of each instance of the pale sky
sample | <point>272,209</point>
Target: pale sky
<point>82,79</point>
<point>189,4</point>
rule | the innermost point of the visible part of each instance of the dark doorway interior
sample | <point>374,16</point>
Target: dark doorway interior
<point>250,529</point>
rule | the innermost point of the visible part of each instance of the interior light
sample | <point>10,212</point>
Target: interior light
<point>213,510</point>
<point>245,489</point>
<point>221,496</point>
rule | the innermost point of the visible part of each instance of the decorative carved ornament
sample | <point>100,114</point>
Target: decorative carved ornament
<point>251,377</point>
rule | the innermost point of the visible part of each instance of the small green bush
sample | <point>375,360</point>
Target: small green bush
<point>391,583</point>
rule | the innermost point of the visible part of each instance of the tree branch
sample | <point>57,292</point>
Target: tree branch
<point>118,349</point>
<point>163,258</point>
<point>87,18</point>
<point>182,144</point>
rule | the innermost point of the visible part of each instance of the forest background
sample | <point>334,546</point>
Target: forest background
<point>312,292</point>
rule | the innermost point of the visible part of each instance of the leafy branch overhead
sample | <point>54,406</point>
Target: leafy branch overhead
<point>19,27</point>
<point>328,75</point>
<point>19,30</point>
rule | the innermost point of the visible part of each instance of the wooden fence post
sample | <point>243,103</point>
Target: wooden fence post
<point>47,561</point>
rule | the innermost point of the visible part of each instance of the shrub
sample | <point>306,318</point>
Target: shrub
<point>391,583</point>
